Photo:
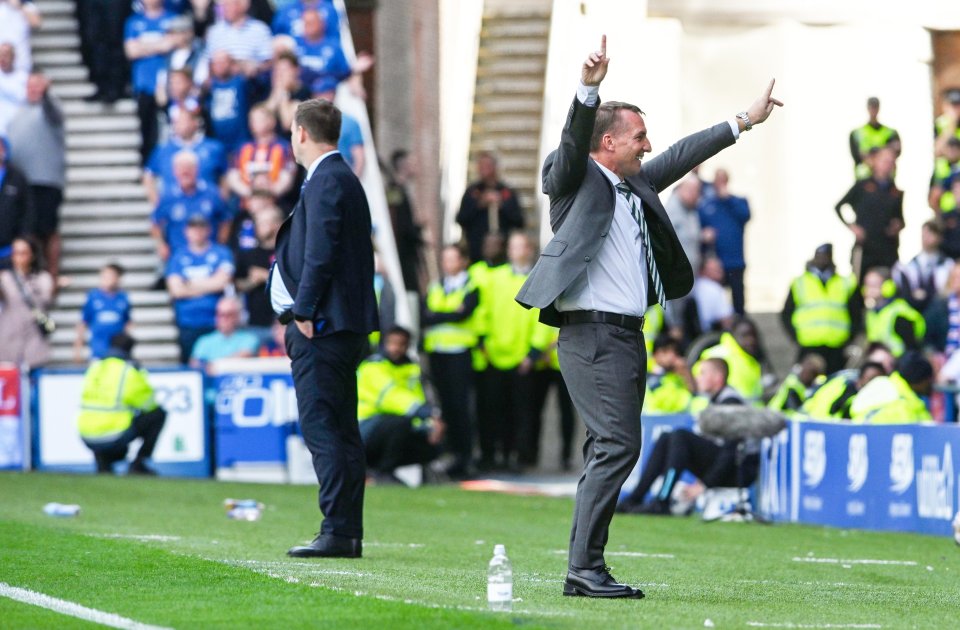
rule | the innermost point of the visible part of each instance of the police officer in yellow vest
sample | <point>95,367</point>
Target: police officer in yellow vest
<point>822,310</point>
<point>889,318</point>
<point>669,383</point>
<point>507,429</point>
<point>117,407</point>
<point>741,350</point>
<point>832,400</point>
<point>896,399</point>
<point>872,135</point>
<point>397,425</point>
<point>449,338</point>
<point>798,385</point>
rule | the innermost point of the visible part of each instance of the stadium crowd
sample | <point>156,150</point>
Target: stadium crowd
<point>216,85</point>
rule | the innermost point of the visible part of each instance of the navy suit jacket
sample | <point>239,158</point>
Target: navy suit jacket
<point>325,252</point>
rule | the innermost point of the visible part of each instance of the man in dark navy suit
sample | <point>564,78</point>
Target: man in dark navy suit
<point>322,289</point>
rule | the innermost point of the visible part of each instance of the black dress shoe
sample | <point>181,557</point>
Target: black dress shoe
<point>328,546</point>
<point>597,583</point>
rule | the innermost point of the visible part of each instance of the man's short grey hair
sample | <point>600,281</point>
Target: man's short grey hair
<point>608,120</point>
<point>186,157</point>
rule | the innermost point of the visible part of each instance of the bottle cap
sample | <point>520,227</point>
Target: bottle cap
<point>499,550</point>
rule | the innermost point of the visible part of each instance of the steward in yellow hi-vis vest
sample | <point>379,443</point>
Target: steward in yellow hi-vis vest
<point>739,349</point>
<point>669,383</point>
<point>449,338</point>
<point>397,425</point>
<point>832,400</point>
<point>871,136</point>
<point>797,386</point>
<point>117,407</point>
<point>896,399</point>
<point>889,318</point>
<point>821,312</point>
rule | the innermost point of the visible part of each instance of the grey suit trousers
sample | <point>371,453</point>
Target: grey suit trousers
<point>604,367</point>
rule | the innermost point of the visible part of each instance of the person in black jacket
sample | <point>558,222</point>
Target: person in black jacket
<point>16,206</point>
<point>488,206</point>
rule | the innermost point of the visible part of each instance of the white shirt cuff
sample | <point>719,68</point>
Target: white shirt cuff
<point>588,94</point>
<point>735,128</point>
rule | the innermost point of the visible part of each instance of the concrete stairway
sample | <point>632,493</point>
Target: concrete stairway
<point>508,101</point>
<point>104,216</point>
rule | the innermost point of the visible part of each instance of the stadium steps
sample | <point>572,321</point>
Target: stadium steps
<point>508,101</point>
<point>105,214</point>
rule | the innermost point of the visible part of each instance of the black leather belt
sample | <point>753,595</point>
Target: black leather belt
<point>600,317</point>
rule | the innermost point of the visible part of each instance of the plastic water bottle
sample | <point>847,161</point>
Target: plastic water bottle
<point>500,580</point>
<point>61,509</point>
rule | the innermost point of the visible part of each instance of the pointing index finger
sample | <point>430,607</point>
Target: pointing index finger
<point>603,45</point>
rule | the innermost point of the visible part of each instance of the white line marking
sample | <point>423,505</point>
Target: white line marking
<point>402,545</point>
<point>758,624</point>
<point>73,610</point>
<point>902,563</point>
<point>625,554</point>
<point>140,537</point>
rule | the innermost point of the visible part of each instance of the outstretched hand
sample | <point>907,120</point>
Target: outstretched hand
<point>595,66</point>
<point>761,108</point>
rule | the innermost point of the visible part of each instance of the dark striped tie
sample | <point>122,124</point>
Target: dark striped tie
<point>624,190</point>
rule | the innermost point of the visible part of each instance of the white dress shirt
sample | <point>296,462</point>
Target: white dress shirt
<point>280,298</point>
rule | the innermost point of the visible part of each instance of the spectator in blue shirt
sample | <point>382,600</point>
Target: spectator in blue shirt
<point>191,196</point>
<point>147,40</point>
<point>212,157</point>
<point>197,276</point>
<point>105,313</point>
<point>320,55</point>
<point>350,144</point>
<point>228,102</point>
<point>289,21</point>
<point>723,218</point>
<point>227,341</point>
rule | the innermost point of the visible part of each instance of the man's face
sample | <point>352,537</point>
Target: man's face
<point>221,64</point>
<point>313,25</point>
<point>872,286</point>
<point>233,10</point>
<point>519,250</point>
<point>395,346</point>
<point>262,122</point>
<point>486,167</point>
<point>228,316</point>
<point>713,269</point>
<point>823,260</point>
<point>746,335</point>
<point>666,358</point>
<point>185,172</point>
<point>185,125</point>
<point>709,380</point>
<point>882,357</point>
<point>452,262</point>
<point>198,235</point>
<point>36,87</point>
<point>873,111</point>
<point>109,279</point>
<point>883,164</point>
<point>929,240</point>
<point>629,143</point>
<point>689,192</point>
<point>720,181</point>
<point>266,224</point>
<point>492,246</point>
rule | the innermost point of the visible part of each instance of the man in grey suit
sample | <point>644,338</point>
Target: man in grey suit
<point>614,252</point>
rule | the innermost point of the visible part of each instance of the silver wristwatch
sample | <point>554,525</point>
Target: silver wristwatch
<point>746,120</point>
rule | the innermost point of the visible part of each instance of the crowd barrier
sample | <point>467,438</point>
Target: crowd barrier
<point>887,477</point>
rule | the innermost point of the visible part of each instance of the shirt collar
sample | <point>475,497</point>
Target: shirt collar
<point>316,162</point>
<point>613,177</point>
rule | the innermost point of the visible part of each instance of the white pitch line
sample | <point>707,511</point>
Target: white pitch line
<point>902,563</point>
<point>759,624</point>
<point>625,554</point>
<point>140,537</point>
<point>73,610</point>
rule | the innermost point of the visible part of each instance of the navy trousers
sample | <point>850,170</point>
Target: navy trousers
<point>325,378</point>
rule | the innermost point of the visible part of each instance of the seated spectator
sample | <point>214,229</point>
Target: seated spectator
<point>117,406</point>
<point>321,57</point>
<point>289,20</point>
<point>679,451</point>
<point>710,308</point>
<point>924,277</point>
<point>888,317</point>
<point>253,270</point>
<point>245,39</point>
<point>26,294</point>
<point>669,383</point>
<point>227,101</point>
<point>228,341</point>
<point>276,345</point>
<point>16,206</point>
<point>105,314</point>
<point>832,400</point>
<point>895,399</point>
<point>197,276</point>
<point>397,425</point>
<point>943,317</point>
<point>13,87</point>
<point>264,164</point>
<point>287,90</point>
<point>17,19</point>
<point>158,175</point>
<point>796,388</point>
<point>147,40</point>
<point>38,150</point>
<point>350,144</point>
<point>740,348</point>
<point>190,197</point>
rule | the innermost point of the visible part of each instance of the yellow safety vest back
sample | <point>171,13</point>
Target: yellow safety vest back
<point>888,400</point>
<point>113,390</point>
<point>387,389</point>
<point>745,372</point>
<point>821,317</point>
<point>880,324</point>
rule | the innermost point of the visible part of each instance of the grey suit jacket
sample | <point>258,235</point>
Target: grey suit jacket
<point>582,202</point>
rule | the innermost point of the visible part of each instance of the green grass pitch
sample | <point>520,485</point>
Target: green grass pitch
<point>162,552</point>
